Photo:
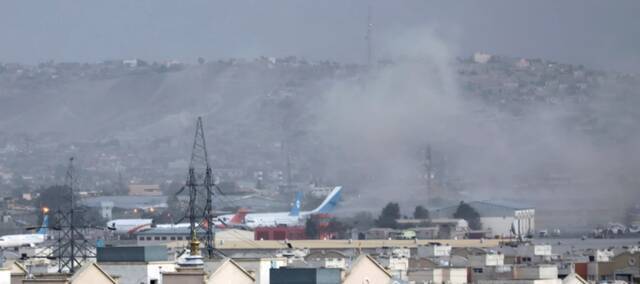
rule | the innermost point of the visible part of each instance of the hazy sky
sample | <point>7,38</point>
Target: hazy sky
<point>604,34</point>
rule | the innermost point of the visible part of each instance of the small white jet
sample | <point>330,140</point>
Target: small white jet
<point>11,241</point>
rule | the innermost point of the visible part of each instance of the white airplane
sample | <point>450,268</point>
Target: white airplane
<point>10,241</point>
<point>129,226</point>
<point>132,226</point>
<point>293,217</point>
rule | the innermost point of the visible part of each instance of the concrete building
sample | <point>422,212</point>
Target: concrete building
<point>17,272</point>
<point>184,276</point>
<point>5,275</point>
<point>526,253</point>
<point>180,236</point>
<point>327,259</point>
<point>260,268</point>
<point>305,275</point>
<point>365,269</point>
<point>227,271</point>
<point>88,273</point>
<point>136,265</point>
<point>450,275</point>
<point>106,210</point>
<point>441,228</point>
<point>624,266</point>
<point>486,259</point>
<point>541,274</point>
<point>212,272</point>
<point>434,250</point>
<point>145,190</point>
<point>502,219</point>
<point>574,278</point>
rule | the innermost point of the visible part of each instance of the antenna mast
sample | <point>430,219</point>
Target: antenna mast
<point>368,38</point>
<point>428,165</point>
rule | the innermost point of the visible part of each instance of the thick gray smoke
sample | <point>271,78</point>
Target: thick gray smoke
<point>379,124</point>
<point>572,154</point>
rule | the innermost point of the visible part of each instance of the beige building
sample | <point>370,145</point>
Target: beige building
<point>573,278</point>
<point>450,275</point>
<point>136,272</point>
<point>184,276</point>
<point>17,272</point>
<point>88,273</point>
<point>327,259</point>
<point>226,271</point>
<point>366,270</point>
<point>5,275</point>
<point>624,266</point>
<point>145,190</point>
<point>260,268</point>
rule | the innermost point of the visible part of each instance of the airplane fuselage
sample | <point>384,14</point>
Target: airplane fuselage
<point>9,241</point>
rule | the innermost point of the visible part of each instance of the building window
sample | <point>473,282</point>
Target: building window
<point>179,238</point>
<point>477,270</point>
<point>164,238</point>
<point>172,238</point>
<point>156,238</point>
<point>148,238</point>
<point>141,238</point>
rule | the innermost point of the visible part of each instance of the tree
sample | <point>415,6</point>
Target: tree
<point>174,211</point>
<point>468,213</point>
<point>228,187</point>
<point>311,228</point>
<point>338,227</point>
<point>389,216</point>
<point>420,213</point>
<point>362,221</point>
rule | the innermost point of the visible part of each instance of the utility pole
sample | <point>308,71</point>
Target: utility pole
<point>428,165</point>
<point>287,154</point>
<point>368,38</point>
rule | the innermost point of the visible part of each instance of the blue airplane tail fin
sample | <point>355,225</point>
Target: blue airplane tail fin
<point>45,224</point>
<point>295,209</point>
<point>330,202</point>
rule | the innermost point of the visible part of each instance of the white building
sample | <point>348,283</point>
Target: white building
<point>483,260</point>
<point>433,251</point>
<point>502,219</point>
<point>450,275</point>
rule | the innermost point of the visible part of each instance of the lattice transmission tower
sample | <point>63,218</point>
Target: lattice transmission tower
<point>72,247</point>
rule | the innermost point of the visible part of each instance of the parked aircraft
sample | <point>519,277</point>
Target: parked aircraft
<point>9,241</point>
<point>294,216</point>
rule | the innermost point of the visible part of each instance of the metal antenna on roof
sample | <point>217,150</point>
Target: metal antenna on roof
<point>72,246</point>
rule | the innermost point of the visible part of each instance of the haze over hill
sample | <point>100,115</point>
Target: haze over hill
<point>500,127</point>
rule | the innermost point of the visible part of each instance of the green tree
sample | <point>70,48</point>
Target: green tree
<point>420,213</point>
<point>389,216</point>
<point>468,213</point>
